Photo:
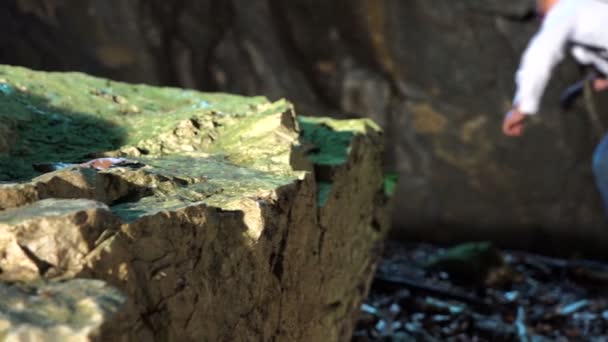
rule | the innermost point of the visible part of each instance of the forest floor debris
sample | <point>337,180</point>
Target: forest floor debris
<point>475,292</point>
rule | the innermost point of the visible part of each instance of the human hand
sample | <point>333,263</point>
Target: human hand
<point>600,84</point>
<point>514,122</point>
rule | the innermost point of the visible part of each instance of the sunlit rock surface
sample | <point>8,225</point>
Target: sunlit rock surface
<point>75,310</point>
<point>438,76</point>
<point>220,218</point>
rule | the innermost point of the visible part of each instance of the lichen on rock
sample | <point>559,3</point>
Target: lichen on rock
<point>227,218</point>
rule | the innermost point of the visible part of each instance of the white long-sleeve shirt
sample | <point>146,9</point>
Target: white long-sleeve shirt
<point>570,21</point>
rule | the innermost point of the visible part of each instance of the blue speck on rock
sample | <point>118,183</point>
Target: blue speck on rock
<point>202,105</point>
<point>6,89</point>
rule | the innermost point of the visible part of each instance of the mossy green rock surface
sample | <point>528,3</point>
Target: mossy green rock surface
<point>69,117</point>
<point>219,217</point>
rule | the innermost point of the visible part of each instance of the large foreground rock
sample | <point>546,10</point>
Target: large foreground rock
<point>227,218</point>
<point>437,75</point>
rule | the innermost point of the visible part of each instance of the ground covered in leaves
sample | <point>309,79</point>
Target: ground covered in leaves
<point>475,292</point>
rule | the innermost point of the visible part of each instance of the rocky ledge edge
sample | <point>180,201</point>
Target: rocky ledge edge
<point>131,212</point>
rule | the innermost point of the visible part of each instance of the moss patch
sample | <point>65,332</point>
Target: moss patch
<point>213,149</point>
<point>331,147</point>
<point>66,117</point>
<point>323,192</point>
<point>332,138</point>
<point>390,182</point>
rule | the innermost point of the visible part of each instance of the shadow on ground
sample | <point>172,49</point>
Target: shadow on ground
<point>32,131</point>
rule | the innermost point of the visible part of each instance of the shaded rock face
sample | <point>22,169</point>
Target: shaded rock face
<point>219,217</point>
<point>438,76</point>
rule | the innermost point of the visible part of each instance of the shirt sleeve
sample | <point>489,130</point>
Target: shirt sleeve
<point>545,50</point>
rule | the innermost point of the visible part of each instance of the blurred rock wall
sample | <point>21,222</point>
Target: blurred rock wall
<point>437,75</point>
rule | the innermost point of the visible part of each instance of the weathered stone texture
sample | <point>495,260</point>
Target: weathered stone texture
<point>437,75</point>
<point>74,310</point>
<point>228,218</point>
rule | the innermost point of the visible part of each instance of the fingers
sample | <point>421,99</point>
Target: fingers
<point>600,84</point>
<point>516,130</point>
<point>513,124</point>
<point>513,130</point>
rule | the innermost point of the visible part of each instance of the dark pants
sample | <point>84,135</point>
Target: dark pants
<point>600,169</point>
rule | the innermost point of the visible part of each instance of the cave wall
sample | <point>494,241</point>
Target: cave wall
<point>437,75</point>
